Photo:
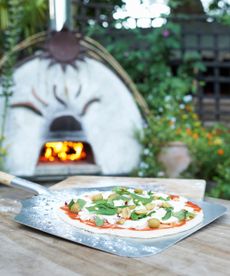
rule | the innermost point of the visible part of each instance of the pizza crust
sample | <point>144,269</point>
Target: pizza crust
<point>155,233</point>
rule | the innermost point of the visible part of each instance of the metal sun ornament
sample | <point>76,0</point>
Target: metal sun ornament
<point>64,48</point>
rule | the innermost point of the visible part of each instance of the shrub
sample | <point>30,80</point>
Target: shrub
<point>169,94</point>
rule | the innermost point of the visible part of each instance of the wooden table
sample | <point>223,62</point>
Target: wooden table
<point>24,251</point>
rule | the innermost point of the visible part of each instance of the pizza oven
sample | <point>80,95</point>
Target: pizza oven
<point>72,112</point>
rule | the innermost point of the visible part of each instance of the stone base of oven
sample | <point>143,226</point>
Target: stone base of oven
<point>65,170</point>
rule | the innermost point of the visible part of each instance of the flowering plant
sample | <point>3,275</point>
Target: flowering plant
<point>169,91</point>
<point>209,149</point>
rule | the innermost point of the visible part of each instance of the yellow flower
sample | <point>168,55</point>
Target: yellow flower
<point>218,141</point>
<point>184,117</point>
<point>195,136</point>
<point>194,116</point>
<point>197,124</point>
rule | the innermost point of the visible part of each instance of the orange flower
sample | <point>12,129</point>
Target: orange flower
<point>220,152</point>
<point>188,131</point>
<point>209,135</point>
<point>195,136</point>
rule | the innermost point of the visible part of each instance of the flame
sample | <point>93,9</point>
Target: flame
<point>63,151</point>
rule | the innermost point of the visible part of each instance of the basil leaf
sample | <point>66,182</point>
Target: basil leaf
<point>189,215</point>
<point>181,215</point>
<point>125,198</point>
<point>144,200</point>
<point>150,193</point>
<point>110,203</point>
<point>106,211</point>
<point>122,206</point>
<point>71,204</point>
<point>101,209</point>
<point>120,190</point>
<point>149,214</point>
<point>135,216</point>
<point>99,221</point>
<point>168,214</point>
<point>161,198</point>
<point>105,205</point>
<point>101,204</point>
<point>81,203</point>
<point>91,208</point>
<point>101,201</point>
<point>137,202</point>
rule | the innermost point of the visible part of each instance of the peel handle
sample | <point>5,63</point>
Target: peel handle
<point>16,182</point>
<point>6,178</point>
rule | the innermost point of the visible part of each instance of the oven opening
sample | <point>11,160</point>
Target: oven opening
<point>66,152</point>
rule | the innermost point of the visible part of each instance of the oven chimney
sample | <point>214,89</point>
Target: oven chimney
<point>60,14</point>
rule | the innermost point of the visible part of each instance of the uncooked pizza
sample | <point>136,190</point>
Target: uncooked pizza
<point>131,212</point>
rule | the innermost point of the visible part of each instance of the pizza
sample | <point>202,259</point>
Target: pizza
<point>131,212</point>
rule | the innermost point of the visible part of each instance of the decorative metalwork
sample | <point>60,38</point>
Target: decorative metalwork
<point>64,48</point>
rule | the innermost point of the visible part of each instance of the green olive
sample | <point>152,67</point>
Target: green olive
<point>75,208</point>
<point>113,196</point>
<point>131,207</point>
<point>119,210</point>
<point>125,213</point>
<point>121,221</point>
<point>149,206</point>
<point>153,223</point>
<point>141,211</point>
<point>97,197</point>
<point>165,205</point>
<point>138,191</point>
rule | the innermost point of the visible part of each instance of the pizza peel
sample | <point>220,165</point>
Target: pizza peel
<point>40,212</point>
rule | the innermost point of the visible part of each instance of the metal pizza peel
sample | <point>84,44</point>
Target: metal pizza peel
<point>40,212</point>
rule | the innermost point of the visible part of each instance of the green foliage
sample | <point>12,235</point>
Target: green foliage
<point>11,39</point>
<point>222,6</point>
<point>33,17</point>
<point>222,188</point>
<point>2,154</point>
<point>149,67</point>
<point>169,96</point>
<point>221,9</point>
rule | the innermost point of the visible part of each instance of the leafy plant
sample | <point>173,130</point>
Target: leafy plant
<point>222,188</point>
<point>221,10</point>
<point>169,93</point>
<point>11,39</point>
<point>33,17</point>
